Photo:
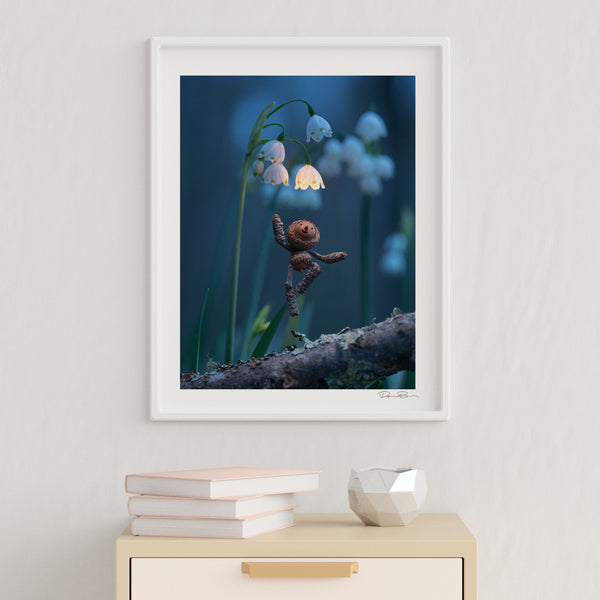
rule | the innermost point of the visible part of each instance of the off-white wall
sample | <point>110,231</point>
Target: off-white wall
<point>518,459</point>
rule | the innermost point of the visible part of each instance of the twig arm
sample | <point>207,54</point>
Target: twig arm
<point>279,233</point>
<point>329,258</point>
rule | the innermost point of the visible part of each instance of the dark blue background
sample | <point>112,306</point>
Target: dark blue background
<point>217,114</point>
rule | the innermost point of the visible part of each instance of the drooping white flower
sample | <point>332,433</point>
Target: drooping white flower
<point>370,127</point>
<point>352,149</point>
<point>333,148</point>
<point>383,166</point>
<point>307,177</point>
<point>258,167</point>
<point>273,151</point>
<point>276,174</point>
<point>288,197</point>
<point>317,128</point>
<point>330,166</point>
<point>370,185</point>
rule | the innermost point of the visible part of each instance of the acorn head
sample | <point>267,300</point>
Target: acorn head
<point>303,235</point>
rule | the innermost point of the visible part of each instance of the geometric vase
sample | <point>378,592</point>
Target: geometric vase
<point>387,497</point>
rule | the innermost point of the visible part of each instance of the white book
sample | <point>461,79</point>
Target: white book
<point>212,528</point>
<point>225,508</point>
<point>223,482</point>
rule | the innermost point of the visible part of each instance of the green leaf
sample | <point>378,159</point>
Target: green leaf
<point>257,128</point>
<point>259,326</point>
<point>200,328</point>
<point>267,337</point>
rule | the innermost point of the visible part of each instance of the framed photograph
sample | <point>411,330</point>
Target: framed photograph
<point>300,197</point>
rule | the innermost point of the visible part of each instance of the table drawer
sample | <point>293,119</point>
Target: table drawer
<point>194,578</point>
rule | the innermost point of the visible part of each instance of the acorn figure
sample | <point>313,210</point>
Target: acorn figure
<point>302,237</point>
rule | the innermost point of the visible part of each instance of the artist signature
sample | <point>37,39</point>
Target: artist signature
<point>398,394</point>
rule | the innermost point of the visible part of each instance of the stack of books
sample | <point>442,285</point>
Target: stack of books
<point>230,502</point>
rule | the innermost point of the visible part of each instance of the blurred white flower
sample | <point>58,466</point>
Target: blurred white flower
<point>317,128</point>
<point>258,167</point>
<point>395,242</point>
<point>307,177</point>
<point>273,151</point>
<point>361,167</point>
<point>393,263</point>
<point>308,199</point>
<point>370,185</point>
<point>352,149</point>
<point>276,174</point>
<point>333,148</point>
<point>383,166</point>
<point>370,127</point>
<point>329,165</point>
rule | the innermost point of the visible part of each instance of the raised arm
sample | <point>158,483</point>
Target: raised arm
<point>279,233</point>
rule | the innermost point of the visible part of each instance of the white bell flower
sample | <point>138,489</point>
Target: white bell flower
<point>307,177</point>
<point>273,151</point>
<point>276,174</point>
<point>317,128</point>
<point>297,199</point>
<point>370,185</point>
<point>383,166</point>
<point>258,167</point>
<point>370,127</point>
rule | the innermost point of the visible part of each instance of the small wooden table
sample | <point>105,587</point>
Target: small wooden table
<point>325,556</point>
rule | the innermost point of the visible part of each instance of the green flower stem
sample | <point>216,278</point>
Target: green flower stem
<point>311,110</point>
<point>366,307</point>
<point>278,125</point>
<point>306,152</point>
<point>236,264</point>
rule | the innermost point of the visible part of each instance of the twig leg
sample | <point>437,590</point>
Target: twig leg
<point>311,275</point>
<point>289,293</point>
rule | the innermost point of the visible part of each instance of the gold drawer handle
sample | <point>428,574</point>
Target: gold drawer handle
<point>299,569</point>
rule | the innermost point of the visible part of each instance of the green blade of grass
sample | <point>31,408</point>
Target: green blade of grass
<point>258,327</point>
<point>267,337</point>
<point>200,323</point>
<point>260,271</point>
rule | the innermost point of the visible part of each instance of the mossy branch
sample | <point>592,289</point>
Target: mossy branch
<point>351,359</point>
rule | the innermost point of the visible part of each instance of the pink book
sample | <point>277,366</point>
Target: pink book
<point>223,482</point>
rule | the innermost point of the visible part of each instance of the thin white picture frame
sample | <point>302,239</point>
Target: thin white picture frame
<point>428,59</point>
